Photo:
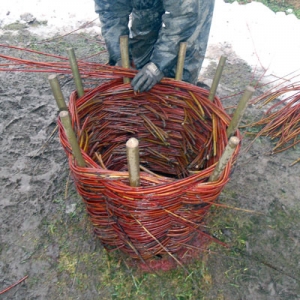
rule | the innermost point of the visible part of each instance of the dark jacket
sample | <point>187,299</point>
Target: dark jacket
<point>157,28</point>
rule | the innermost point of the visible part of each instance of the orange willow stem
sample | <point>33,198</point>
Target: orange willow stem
<point>13,285</point>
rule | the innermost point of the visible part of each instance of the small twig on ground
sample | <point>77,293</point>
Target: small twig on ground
<point>13,285</point>
<point>267,264</point>
<point>67,186</point>
<point>13,121</point>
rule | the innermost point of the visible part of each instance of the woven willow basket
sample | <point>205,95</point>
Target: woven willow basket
<point>181,136</point>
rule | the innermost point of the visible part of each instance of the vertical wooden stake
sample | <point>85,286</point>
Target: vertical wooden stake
<point>56,90</point>
<point>227,154</point>
<point>180,63</point>
<point>75,71</point>
<point>66,121</point>
<point>239,112</point>
<point>124,54</point>
<point>133,161</point>
<point>217,78</point>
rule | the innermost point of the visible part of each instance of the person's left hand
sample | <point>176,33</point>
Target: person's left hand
<point>146,78</point>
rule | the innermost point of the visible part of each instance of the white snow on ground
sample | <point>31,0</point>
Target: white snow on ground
<point>62,16</point>
<point>264,39</point>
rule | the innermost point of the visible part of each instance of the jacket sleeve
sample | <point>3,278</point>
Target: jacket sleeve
<point>114,18</point>
<point>183,21</point>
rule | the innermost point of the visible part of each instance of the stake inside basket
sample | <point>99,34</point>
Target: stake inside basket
<point>133,161</point>
<point>66,121</point>
<point>125,55</point>
<point>226,156</point>
<point>57,93</point>
<point>217,77</point>
<point>75,71</point>
<point>240,110</point>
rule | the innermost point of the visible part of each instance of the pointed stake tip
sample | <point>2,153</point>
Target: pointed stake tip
<point>250,89</point>
<point>52,76</point>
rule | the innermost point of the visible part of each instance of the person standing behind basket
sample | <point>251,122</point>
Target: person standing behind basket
<point>158,27</point>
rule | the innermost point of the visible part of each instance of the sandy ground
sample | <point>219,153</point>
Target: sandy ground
<point>45,233</point>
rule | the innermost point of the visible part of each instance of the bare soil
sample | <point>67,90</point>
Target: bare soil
<point>46,235</point>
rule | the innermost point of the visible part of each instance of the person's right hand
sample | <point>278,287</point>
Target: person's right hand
<point>146,78</point>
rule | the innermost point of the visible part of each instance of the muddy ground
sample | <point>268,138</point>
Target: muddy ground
<point>45,233</point>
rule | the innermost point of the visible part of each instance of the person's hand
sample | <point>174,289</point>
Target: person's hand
<point>146,78</point>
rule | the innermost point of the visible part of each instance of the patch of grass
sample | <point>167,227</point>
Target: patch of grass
<point>15,26</point>
<point>274,5</point>
<point>84,267</point>
<point>256,242</point>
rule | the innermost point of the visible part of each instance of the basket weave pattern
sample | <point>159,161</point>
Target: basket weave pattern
<point>181,135</point>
